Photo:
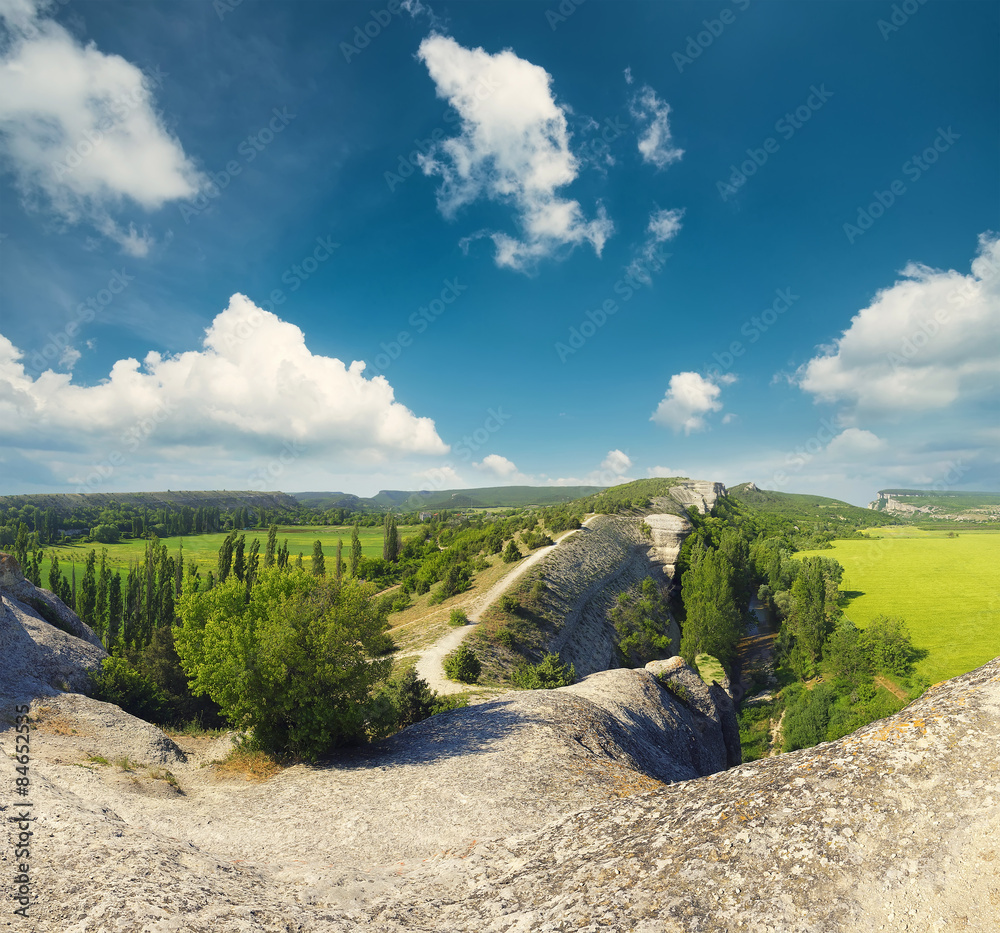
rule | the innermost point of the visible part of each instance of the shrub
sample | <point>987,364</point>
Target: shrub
<point>548,674</point>
<point>463,665</point>
<point>119,683</point>
<point>504,636</point>
<point>509,603</point>
<point>458,617</point>
<point>511,553</point>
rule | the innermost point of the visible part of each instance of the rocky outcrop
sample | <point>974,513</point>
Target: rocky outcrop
<point>712,709</point>
<point>533,813</point>
<point>44,647</point>
<point>698,493</point>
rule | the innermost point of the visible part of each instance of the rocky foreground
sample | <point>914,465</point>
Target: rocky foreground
<point>574,809</point>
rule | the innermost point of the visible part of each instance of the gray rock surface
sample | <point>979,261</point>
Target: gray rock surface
<point>36,657</point>
<point>894,827</point>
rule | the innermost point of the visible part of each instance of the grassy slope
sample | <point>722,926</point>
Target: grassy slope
<point>947,501</point>
<point>64,503</point>
<point>947,590</point>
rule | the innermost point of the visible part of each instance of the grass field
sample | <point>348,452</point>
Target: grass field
<point>946,588</point>
<point>205,548</point>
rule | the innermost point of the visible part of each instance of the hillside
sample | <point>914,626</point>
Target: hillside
<point>490,497</point>
<point>65,503</point>
<point>803,507</point>
<point>941,506</point>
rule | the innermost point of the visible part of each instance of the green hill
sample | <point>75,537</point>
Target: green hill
<point>804,507</point>
<point>65,503</point>
<point>491,497</point>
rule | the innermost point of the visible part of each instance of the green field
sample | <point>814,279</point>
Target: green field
<point>946,588</point>
<point>205,548</point>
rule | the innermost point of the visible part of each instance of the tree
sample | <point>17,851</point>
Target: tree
<point>226,556</point>
<point>293,663</point>
<point>846,656</point>
<point>318,560</point>
<point>713,623</point>
<point>390,544</point>
<point>355,549</point>
<point>511,553</point>
<point>272,546</point>
<point>641,622</point>
<point>340,560</point>
<point>239,558</point>
<point>886,640</point>
<point>87,600</point>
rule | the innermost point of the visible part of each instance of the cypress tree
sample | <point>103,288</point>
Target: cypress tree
<point>252,564</point>
<point>114,627</point>
<point>88,590</point>
<point>355,549</point>
<point>340,559</point>
<point>272,546</point>
<point>318,560</point>
<point>239,560</point>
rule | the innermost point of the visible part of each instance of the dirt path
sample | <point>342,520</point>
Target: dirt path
<point>430,660</point>
<point>891,687</point>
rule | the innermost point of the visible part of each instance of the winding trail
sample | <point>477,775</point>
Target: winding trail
<point>430,661</point>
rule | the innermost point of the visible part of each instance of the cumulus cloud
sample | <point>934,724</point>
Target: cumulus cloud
<point>927,342</point>
<point>663,225</point>
<point>513,147</point>
<point>652,116</point>
<point>616,462</point>
<point>253,386</point>
<point>689,398</point>
<point>80,131</point>
<point>499,466</point>
<point>612,471</point>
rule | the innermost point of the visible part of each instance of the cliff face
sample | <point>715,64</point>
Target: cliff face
<point>586,573</point>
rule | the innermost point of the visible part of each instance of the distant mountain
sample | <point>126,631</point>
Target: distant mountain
<point>491,497</point>
<point>66,502</point>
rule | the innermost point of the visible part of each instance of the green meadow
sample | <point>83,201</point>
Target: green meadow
<point>946,588</point>
<point>204,549</point>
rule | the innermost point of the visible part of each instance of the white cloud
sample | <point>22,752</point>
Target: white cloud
<point>612,472</point>
<point>653,117</point>
<point>442,477</point>
<point>513,147</point>
<point>663,225</point>
<point>499,466</point>
<point>929,341</point>
<point>661,471</point>
<point>628,75</point>
<point>616,462</point>
<point>253,386</point>
<point>855,442</point>
<point>80,130</point>
<point>689,398</point>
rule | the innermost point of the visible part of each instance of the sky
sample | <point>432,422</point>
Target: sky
<point>248,244</point>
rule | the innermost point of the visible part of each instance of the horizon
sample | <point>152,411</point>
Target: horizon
<point>459,246</point>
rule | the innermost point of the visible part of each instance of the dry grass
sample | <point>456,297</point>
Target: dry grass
<point>250,765</point>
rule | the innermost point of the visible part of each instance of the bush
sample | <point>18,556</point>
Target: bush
<point>511,553</point>
<point>509,603</point>
<point>458,617</point>
<point>293,663</point>
<point>548,674</point>
<point>401,701</point>
<point>119,683</point>
<point>463,665</point>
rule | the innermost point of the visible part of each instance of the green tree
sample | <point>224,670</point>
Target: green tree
<point>846,656</point>
<point>87,599</point>
<point>293,663</point>
<point>886,639</point>
<point>225,557</point>
<point>713,623</point>
<point>272,546</point>
<point>318,560</point>
<point>390,543</point>
<point>340,559</point>
<point>511,554</point>
<point>355,549</point>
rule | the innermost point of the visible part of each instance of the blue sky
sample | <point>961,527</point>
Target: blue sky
<point>569,243</point>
